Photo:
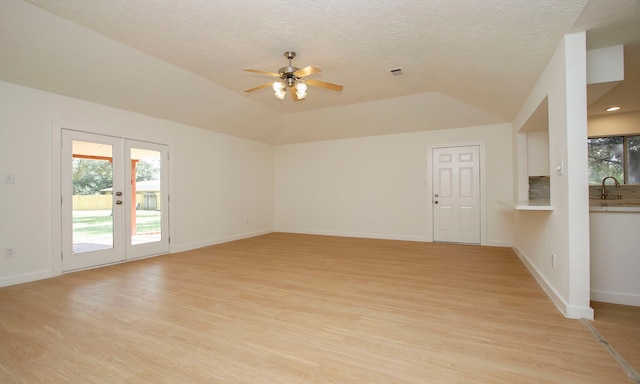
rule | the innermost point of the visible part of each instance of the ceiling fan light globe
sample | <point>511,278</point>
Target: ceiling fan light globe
<point>280,94</point>
<point>278,86</point>
<point>301,95</point>
<point>301,88</point>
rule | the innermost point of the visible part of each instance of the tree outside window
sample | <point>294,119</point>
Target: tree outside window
<point>617,156</point>
<point>633,160</point>
<point>91,176</point>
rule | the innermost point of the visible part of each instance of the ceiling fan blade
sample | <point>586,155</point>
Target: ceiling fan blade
<point>306,71</point>
<point>322,84</point>
<point>265,85</point>
<point>262,72</point>
<point>294,95</point>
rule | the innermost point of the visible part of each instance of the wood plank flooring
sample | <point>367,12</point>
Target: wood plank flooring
<point>620,326</point>
<point>287,308</point>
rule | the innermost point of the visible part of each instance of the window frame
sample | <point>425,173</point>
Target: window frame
<point>625,155</point>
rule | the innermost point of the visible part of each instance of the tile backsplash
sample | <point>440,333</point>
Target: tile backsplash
<point>539,188</point>
<point>626,192</point>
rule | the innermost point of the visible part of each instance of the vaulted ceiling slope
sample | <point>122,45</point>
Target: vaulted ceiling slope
<point>467,62</point>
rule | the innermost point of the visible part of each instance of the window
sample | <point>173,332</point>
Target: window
<point>617,156</point>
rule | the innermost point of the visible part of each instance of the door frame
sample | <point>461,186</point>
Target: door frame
<point>56,185</point>
<point>483,191</point>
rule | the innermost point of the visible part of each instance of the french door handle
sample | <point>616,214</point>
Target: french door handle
<point>119,202</point>
<point>118,193</point>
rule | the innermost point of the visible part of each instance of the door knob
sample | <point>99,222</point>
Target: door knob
<point>436,202</point>
<point>118,193</point>
<point>119,202</point>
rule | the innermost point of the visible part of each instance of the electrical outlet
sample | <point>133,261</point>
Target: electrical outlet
<point>9,253</point>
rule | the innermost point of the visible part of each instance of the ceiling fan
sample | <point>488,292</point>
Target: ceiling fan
<point>294,79</point>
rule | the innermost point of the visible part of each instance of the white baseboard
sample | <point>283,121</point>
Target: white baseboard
<point>575,312</point>
<point>615,298</point>
<point>568,311</point>
<point>423,239</point>
<point>497,243</point>
<point>40,275</point>
<point>26,278</point>
<point>187,247</point>
<point>355,234</point>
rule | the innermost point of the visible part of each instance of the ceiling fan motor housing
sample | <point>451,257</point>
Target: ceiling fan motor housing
<point>286,73</point>
<point>290,81</point>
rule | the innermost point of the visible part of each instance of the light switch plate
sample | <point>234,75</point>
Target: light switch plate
<point>560,168</point>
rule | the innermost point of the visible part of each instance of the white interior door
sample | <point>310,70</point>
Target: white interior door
<point>456,194</point>
<point>114,200</point>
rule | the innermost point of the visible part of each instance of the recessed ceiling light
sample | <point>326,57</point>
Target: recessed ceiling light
<point>613,109</point>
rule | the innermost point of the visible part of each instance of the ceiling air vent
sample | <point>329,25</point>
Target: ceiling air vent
<point>396,72</point>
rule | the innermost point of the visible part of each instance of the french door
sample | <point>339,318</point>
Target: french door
<point>456,194</point>
<point>114,200</point>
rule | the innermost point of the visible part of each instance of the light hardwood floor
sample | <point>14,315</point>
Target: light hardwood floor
<point>620,326</point>
<point>286,308</point>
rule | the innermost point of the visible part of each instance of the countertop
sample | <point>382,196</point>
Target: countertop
<point>531,205</point>
<point>613,205</point>
<point>595,205</point>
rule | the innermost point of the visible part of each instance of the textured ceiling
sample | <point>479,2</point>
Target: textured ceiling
<point>483,54</point>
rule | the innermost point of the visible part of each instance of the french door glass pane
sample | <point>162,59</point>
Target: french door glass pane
<point>147,194</point>
<point>92,180</point>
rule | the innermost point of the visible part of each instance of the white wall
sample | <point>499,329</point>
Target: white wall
<point>563,231</point>
<point>615,124</point>
<point>379,186</point>
<point>221,187</point>
<point>405,114</point>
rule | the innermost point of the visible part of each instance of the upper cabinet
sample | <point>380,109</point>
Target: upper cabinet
<point>536,130</point>
<point>534,139</point>
<point>538,153</point>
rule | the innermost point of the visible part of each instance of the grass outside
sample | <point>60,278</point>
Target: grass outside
<point>99,224</point>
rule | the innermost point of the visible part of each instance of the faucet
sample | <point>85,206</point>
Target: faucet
<point>604,194</point>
